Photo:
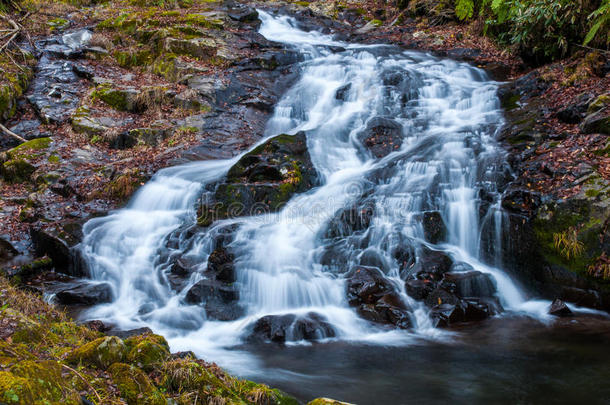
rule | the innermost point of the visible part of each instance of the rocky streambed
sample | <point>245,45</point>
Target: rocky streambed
<point>113,102</point>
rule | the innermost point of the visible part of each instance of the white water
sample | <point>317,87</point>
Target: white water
<point>449,113</point>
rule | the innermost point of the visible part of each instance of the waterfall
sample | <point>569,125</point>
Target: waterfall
<point>448,115</point>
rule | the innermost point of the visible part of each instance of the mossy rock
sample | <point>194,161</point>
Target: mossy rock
<point>599,103</point>
<point>36,382</point>
<point>264,179</point>
<point>326,401</point>
<point>148,354</point>
<point>201,48</point>
<point>100,353</point>
<point>118,98</point>
<point>17,171</point>
<point>28,331</point>
<point>135,386</point>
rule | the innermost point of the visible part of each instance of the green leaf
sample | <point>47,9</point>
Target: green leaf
<point>593,31</point>
<point>464,9</point>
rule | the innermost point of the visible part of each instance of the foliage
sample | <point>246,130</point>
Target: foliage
<point>567,244</point>
<point>541,30</point>
<point>601,24</point>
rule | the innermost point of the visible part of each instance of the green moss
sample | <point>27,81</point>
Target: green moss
<point>33,145</point>
<point>134,58</point>
<point>53,158</point>
<point>100,353</point>
<point>17,171</point>
<point>147,351</point>
<point>599,103</point>
<point>135,386</point>
<point>202,21</point>
<point>15,390</point>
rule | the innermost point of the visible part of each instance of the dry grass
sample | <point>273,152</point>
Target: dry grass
<point>567,244</point>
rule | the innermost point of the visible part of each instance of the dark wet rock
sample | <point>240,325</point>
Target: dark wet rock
<point>242,13</point>
<point>375,298</point>
<point>597,123</point>
<point>522,89</point>
<point>433,264</point>
<point>575,112</point>
<point>283,328</point>
<point>29,129</point>
<point>83,71</point>
<point>222,311</point>
<point>220,263</point>
<point>98,326</point>
<point>181,268</point>
<point>404,254</point>
<point>265,178</point>
<point>124,334</point>
<point>85,294</point>
<point>469,310</point>
<point>373,258</point>
<point>419,289</point>
<point>343,92</point>
<point>59,243</point>
<point>559,308</point>
<point>140,136</point>
<point>271,60</point>
<point>211,290</point>
<point>442,295</point>
<point>471,284</point>
<point>389,309</point>
<point>347,221</point>
<point>435,230</point>
<point>465,54</point>
<point>382,136</point>
<point>7,251</point>
<point>521,201</point>
<point>366,285</point>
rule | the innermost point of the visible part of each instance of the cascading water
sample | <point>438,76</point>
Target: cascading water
<point>447,113</point>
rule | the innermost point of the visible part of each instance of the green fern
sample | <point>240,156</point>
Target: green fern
<point>464,9</point>
<point>601,18</point>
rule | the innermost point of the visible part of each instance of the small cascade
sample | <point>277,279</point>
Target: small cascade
<point>404,147</point>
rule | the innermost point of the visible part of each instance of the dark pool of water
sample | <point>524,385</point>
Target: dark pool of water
<point>501,361</point>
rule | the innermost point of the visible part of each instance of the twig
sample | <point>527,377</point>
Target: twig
<point>85,381</point>
<point>592,49</point>
<point>11,133</point>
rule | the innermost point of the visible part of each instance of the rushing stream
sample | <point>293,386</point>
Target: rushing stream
<point>448,114</point>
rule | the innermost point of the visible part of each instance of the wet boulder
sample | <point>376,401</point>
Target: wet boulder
<point>471,310</point>
<point>348,221</point>
<point>211,290</point>
<point>283,328</point>
<point>242,13</point>
<point>7,251</point>
<point>366,285</point>
<point>575,112</point>
<point>520,201</point>
<point>85,294</point>
<point>433,264</point>
<point>597,122</point>
<point>389,309</point>
<point>382,136</point>
<point>264,179</point>
<point>59,243</point>
<point>220,263</point>
<point>471,284</point>
<point>419,289</point>
<point>435,230</point>
<point>343,92</point>
<point>559,308</point>
<point>375,298</point>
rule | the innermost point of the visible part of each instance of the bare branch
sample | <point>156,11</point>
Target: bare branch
<point>11,133</point>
